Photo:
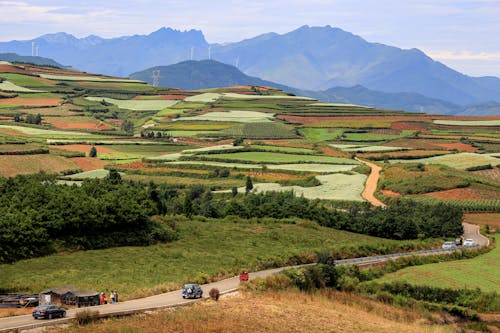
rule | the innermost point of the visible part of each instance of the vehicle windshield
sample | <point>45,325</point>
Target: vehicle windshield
<point>43,307</point>
<point>187,286</point>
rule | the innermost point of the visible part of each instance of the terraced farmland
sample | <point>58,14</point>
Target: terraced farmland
<point>277,158</point>
<point>232,116</point>
<point>136,105</point>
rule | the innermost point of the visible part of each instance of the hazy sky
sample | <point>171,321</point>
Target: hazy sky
<point>464,34</point>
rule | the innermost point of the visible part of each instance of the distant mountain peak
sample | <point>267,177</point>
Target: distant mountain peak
<point>58,37</point>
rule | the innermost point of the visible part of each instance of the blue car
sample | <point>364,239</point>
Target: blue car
<point>48,311</point>
<point>192,290</point>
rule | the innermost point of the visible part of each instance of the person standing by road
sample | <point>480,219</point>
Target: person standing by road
<point>116,296</point>
<point>112,296</point>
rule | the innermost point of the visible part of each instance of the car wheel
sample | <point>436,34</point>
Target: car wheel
<point>50,316</point>
<point>63,314</point>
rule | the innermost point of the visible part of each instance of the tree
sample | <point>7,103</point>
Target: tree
<point>234,191</point>
<point>237,142</point>
<point>114,177</point>
<point>128,127</point>
<point>38,119</point>
<point>93,152</point>
<point>249,184</point>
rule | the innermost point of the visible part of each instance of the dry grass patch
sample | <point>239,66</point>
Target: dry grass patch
<point>273,312</point>
<point>26,164</point>
<point>89,163</point>
<point>491,219</point>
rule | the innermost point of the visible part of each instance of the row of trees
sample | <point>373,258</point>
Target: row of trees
<point>37,215</point>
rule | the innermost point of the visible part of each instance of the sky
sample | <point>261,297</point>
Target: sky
<point>463,34</point>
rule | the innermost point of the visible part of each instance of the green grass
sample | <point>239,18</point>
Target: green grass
<point>259,131</point>
<point>24,80</point>
<point>88,175</point>
<point>204,247</point>
<point>481,272</point>
<point>169,112</point>
<point>147,150</point>
<point>264,157</point>
<point>321,134</point>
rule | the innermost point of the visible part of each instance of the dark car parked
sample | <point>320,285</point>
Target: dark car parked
<point>192,290</point>
<point>48,311</point>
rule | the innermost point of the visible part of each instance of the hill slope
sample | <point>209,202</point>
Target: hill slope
<point>193,75</point>
<point>40,61</point>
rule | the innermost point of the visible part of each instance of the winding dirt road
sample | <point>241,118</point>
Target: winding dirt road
<point>371,184</point>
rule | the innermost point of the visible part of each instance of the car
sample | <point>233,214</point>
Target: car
<point>449,246</point>
<point>192,290</point>
<point>469,243</point>
<point>48,311</point>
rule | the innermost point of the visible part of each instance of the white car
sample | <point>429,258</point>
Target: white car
<point>449,246</point>
<point>469,243</point>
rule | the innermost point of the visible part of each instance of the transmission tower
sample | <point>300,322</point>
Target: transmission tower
<point>36,50</point>
<point>32,49</point>
<point>209,53</point>
<point>156,77</point>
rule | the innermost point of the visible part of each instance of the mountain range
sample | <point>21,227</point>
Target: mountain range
<point>41,61</point>
<point>308,58</point>
<point>204,74</point>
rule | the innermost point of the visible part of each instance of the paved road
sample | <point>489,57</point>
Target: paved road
<point>172,299</point>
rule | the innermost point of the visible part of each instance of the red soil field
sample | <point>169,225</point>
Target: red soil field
<point>89,163</point>
<point>88,126</point>
<point>134,165</point>
<point>332,152</point>
<point>464,194</point>
<point>31,101</point>
<point>458,146</point>
<point>84,148</point>
<point>396,154</point>
<point>13,69</point>
<point>410,125</point>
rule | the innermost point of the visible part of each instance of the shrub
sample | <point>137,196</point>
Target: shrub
<point>86,316</point>
<point>214,294</point>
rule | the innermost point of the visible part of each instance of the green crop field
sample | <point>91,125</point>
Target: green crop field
<point>333,187</point>
<point>373,149</point>
<point>458,161</point>
<point>481,272</point>
<point>467,122</point>
<point>258,131</point>
<point>232,116</point>
<point>257,97</point>
<point>264,157</point>
<point>204,247</point>
<point>374,136</point>
<point>136,105</point>
<point>24,80</point>
<point>283,149</point>
<point>100,173</point>
<point>321,134</point>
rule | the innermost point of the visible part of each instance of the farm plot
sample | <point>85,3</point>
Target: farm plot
<point>39,131</point>
<point>22,101</point>
<point>86,78</point>
<point>480,272</point>
<point>136,105</point>
<point>232,116</point>
<point>468,193</point>
<point>100,173</point>
<point>27,164</point>
<point>20,149</point>
<point>247,97</point>
<point>203,98</point>
<point>283,149</point>
<point>187,152</point>
<point>333,187</point>
<point>9,86</point>
<point>321,134</point>
<point>26,80</point>
<point>258,131</point>
<point>370,136</point>
<point>277,158</point>
<point>467,122</point>
<point>458,161</point>
<point>374,149</point>
<point>89,163</point>
<point>77,122</point>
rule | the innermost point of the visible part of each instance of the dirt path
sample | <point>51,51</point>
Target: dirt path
<point>371,184</point>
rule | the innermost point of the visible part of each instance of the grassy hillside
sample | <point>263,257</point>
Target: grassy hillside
<point>290,311</point>
<point>481,272</point>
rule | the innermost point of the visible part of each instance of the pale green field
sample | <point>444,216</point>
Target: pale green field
<point>136,105</point>
<point>310,167</point>
<point>86,78</point>
<point>339,104</point>
<point>467,122</point>
<point>457,161</point>
<point>101,173</point>
<point>232,116</point>
<point>321,134</point>
<point>203,98</point>
<point>481,272</point>
<point>337,186</point>
<point>279,158</point>
<point>343,147</point>
<point>9,86</point>
<point>186,152</point>
<point>38,131</point>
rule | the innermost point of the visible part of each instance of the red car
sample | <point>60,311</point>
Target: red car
<point>244,276</point>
